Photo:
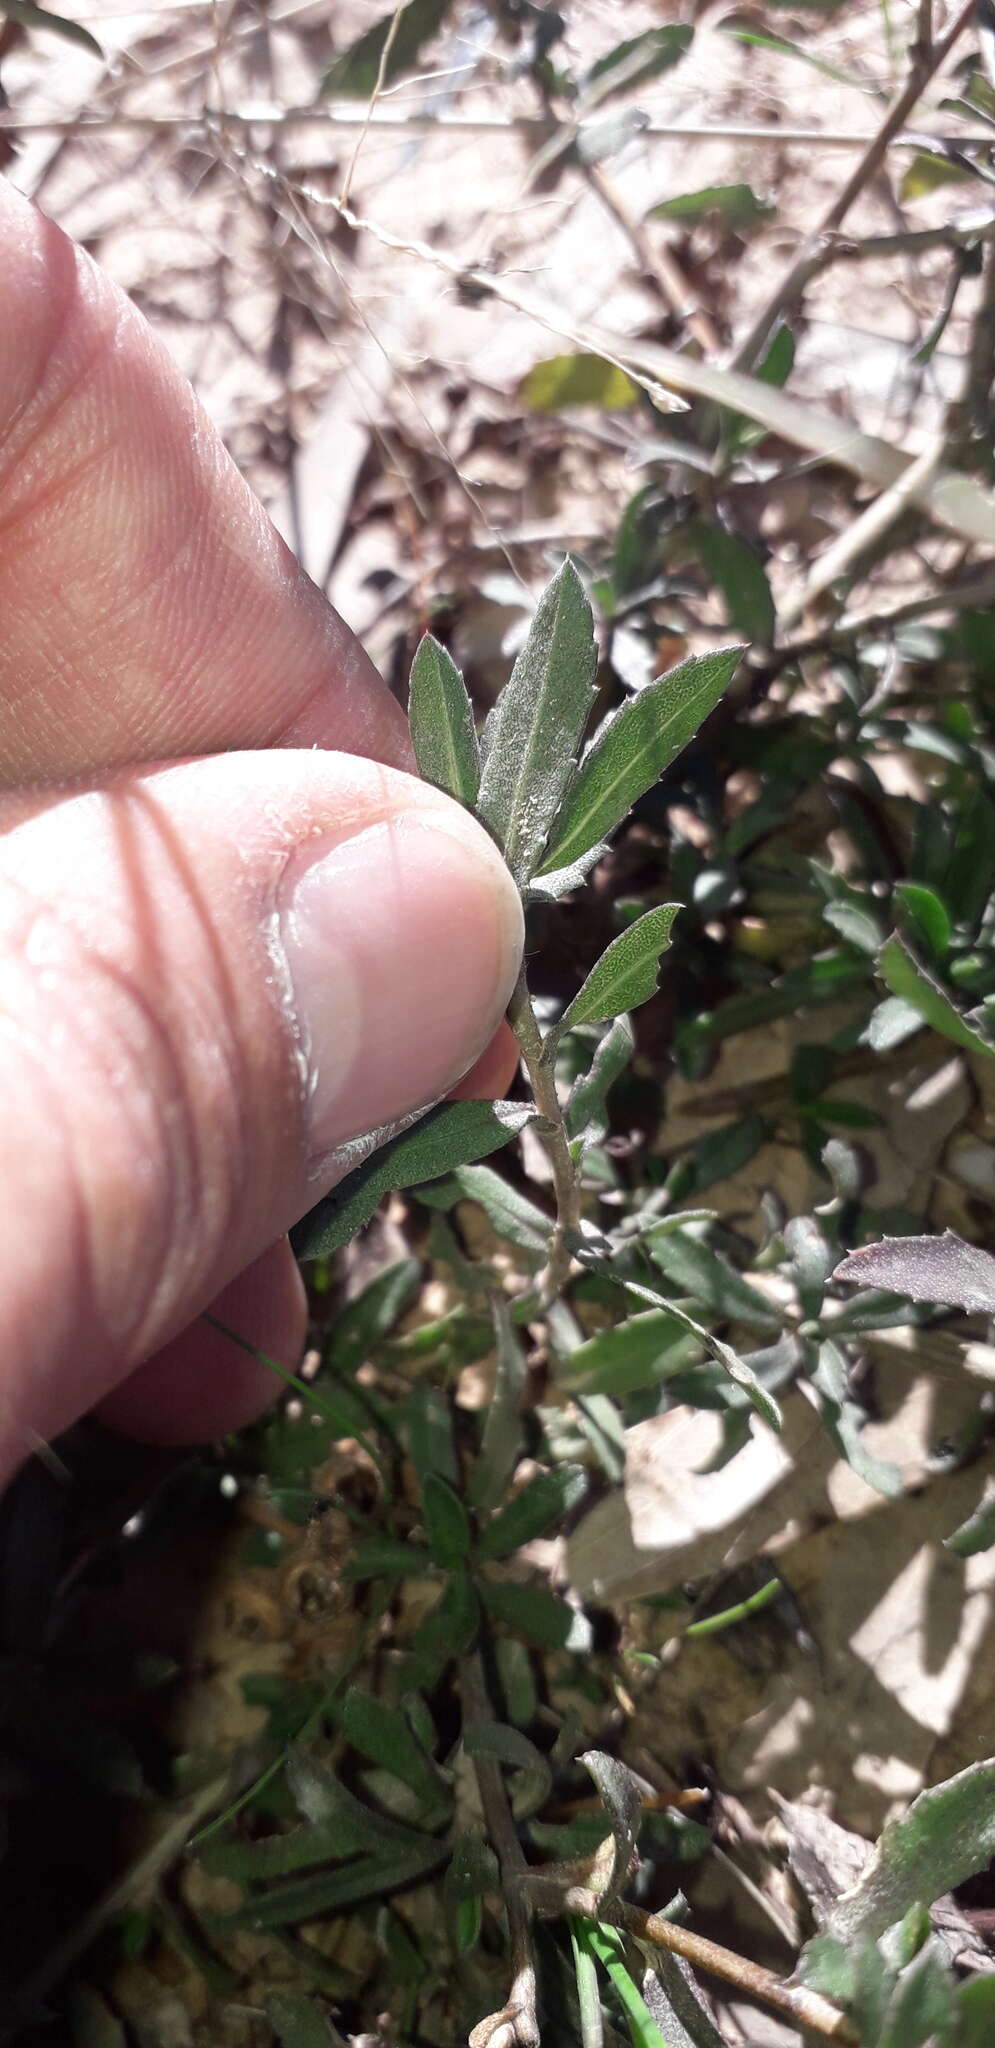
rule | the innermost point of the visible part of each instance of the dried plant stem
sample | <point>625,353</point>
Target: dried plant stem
<point>866,532</point>
<point>270,114</point>
<point>673,286</point>
<point>926,61</point>
<point>518,2023</point>
<point>539,1067</point>
<point>379,83</point>
<point>806,2008</point>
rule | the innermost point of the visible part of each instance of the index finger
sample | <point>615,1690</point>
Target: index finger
<point>150,608</point>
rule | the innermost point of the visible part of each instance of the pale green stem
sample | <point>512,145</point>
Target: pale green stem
<point>538,1060</point>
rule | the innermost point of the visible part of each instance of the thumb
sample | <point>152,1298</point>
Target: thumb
<point>213,977</point>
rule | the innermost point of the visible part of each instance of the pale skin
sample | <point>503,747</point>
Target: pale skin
<point>219,962</point>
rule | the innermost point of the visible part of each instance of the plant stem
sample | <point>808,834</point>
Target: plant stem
<point>518,2023</point>
<point>538,1059</point>
<point>806,2008</point>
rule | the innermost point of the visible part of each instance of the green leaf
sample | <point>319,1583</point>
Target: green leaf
<point>531,1512</point>
<point>947,1836</point>
<point>447,1632</point>
<point>531,1611</point>
<point>503,1431</point>
<point>975,2025</point>
<point>297,2022</point>
<point>427,1426</point>
<point>908,979</point>
<point>976,1534</point>
<point>942,1269</point>
<point>737,206</point>
<point>514,1217</point>
<point>450,1136</point>
<point>927,171</point>
<point>587,1096</point>
<point>533,1781</point>
<point>631,749</point>
<point>607,1946</point>
<point>774,368</point>
<point>354,74</point>
<point>922,2003</point>
<point>446,1524</point>
<point>626,974</point>
<point>844,1419</point>
<point>330,1891</point>
<point>636,61</point>
<point>926,915</point>
<point>739,1372</point>
<point>596,142</point>
<point>620,1794</point>
<point>641,1352</point>
<point>381,1557</point>
<point>592,2029</point>
<point>671,1995</point>
<point>440,714</point>
<point>554,883</point>
<point>473,1870</point>
<point>27,15</point>
<point>382,1733</point>
<point>577,380</point>
<point>370,1318</point>
<point>532,734</point>
<point>713,1284</point>
<point>737,573</point>
<point>781,47</point>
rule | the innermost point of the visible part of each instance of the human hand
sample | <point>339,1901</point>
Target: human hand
<point>217,971</point>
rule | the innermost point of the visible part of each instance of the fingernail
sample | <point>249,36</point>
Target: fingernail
<point>401,947</point>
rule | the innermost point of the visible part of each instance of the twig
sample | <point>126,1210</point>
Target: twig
<point>973,593</point>
<point>518,2022</point>
<point>659,264</point>
<point>267,114</point>
<point>925,63</point>
<point>539,1068</point>
<point>873,524</point>
<point>379,83</point>
<point>806,2008</point>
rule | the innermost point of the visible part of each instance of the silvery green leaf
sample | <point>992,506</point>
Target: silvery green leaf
<point>907,978</point>
<point>672,1997</point>
<point>449,1136</point>
<point>942,1269</point>
<point>557,882</point>
<point>356,72</point>
<point>620,1793</point>
<point>371,1317</point>
<point>700,1272</point>
<point>612,1056</point>
<point>514,1217</point>
<point>297,2021</point>
<point>328,1891</point>
<point>446,1526</point>
<point>626,974</point>
<point>532,1611</point>
<point>947,1836</point>
<point>530,1513</point>
<point>738,1370</point>
<point>533,733</point>
<point>844,1419</point>
<point>381,1733</point>
<point>533,1779</point>
<point>977,1533</point>
<point>503,1432</point>
<point>473,1870</point>
<point>440,714</point>
<point>641,1352</point>
<point>632,748</point>
<point>636,61</point>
